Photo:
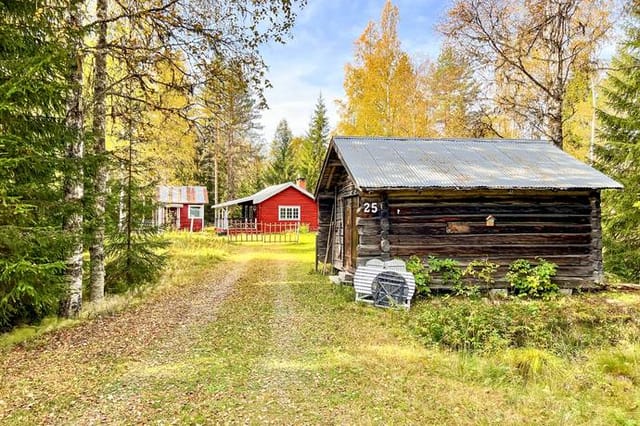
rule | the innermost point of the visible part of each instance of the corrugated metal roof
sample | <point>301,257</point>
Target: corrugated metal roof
<point>263,194</point>
<point>183,194</point>
<point>378,163</point>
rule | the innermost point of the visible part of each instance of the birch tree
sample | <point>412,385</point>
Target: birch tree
<point>100,176</point>
<point>381,86</point>
<point>73,180</point>
<point>186,36</point>
<point>533,49</point>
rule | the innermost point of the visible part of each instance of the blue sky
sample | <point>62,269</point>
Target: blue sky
<point>313,61</point>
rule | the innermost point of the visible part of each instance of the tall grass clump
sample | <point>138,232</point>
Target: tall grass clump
<point>530,364</point>
<point>198,248</point>
<point>624,362</point>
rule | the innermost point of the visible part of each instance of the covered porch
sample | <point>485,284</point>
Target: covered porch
<point>235,214</point>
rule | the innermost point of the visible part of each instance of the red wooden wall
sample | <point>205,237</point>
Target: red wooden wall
<point>185,222</point>
<point>267,211</point>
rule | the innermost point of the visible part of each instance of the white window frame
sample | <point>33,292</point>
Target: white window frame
<point>283,209</point>
<point>200,209</point>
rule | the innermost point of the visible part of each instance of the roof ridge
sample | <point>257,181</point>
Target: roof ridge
<point>181,186</point>
<point>479,140</point>
<point>265,193</point>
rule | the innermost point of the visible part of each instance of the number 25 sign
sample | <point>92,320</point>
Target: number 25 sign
<point>370,207</point>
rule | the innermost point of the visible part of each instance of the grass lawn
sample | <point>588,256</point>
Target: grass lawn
<point>248,333</point>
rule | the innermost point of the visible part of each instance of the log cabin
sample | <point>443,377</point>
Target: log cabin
<point>469,199</point>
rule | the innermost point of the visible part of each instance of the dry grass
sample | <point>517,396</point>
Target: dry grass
<point>257,337</point>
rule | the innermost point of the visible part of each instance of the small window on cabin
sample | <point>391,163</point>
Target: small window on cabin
<point>196,212</point>
<point>288,212</point>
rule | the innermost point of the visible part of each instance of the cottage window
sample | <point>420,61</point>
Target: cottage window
<point>196,212</point>
<point>288,212</point>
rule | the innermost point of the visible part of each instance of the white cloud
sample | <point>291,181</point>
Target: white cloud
<point>293,98</point>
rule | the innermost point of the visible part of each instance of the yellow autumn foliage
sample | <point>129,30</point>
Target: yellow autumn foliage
<point>381,85</point>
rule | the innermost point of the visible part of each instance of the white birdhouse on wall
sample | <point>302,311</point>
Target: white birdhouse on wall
<point>491,220</point>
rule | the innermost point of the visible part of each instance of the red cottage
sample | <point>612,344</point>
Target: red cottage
<point>286,203</point>
<point>181,207</point>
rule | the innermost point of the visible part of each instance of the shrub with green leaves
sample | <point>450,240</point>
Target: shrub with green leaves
<point>420,274</point>
<point>478,274</point>
<point>481,272</point>
<point>528,280</point>
<point>465,282</point>
<point>447,269</point>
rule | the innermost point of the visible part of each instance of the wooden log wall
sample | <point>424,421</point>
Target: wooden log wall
<point>331,209</point>
<point>337,239</point>
<point>596,239</point>
<point>346,188</point>
<point>325,216</point>
<point>373,229</point>
<point>561,227</point>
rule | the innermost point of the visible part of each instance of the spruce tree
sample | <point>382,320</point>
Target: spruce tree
<point>33,133</point>
<point>281,167</point>
<point>315,145</point>
<point>620,155</point>
<point>134,254</point>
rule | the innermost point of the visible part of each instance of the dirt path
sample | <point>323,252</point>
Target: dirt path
<point>153,360</point>
<point>77,360</point>
<point>283,344</point>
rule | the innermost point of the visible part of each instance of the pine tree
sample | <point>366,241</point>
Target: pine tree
<point>452,91</point>
<point>314,145</point>
<point>281,157</point>
<point>227,152</point>
<point>620,155</point>
<point>33,88</point>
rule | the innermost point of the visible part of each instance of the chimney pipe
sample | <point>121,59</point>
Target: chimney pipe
<point>301,182</point>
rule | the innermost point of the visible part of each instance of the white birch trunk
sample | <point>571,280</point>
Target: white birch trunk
<point>96,251</point>
<point>122,217</point>
<point>73,182</point>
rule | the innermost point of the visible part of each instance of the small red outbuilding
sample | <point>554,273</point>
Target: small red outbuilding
<point>181,207</point>
<point>286,203</point>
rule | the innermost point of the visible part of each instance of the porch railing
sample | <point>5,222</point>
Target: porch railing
<point>277,232</point>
